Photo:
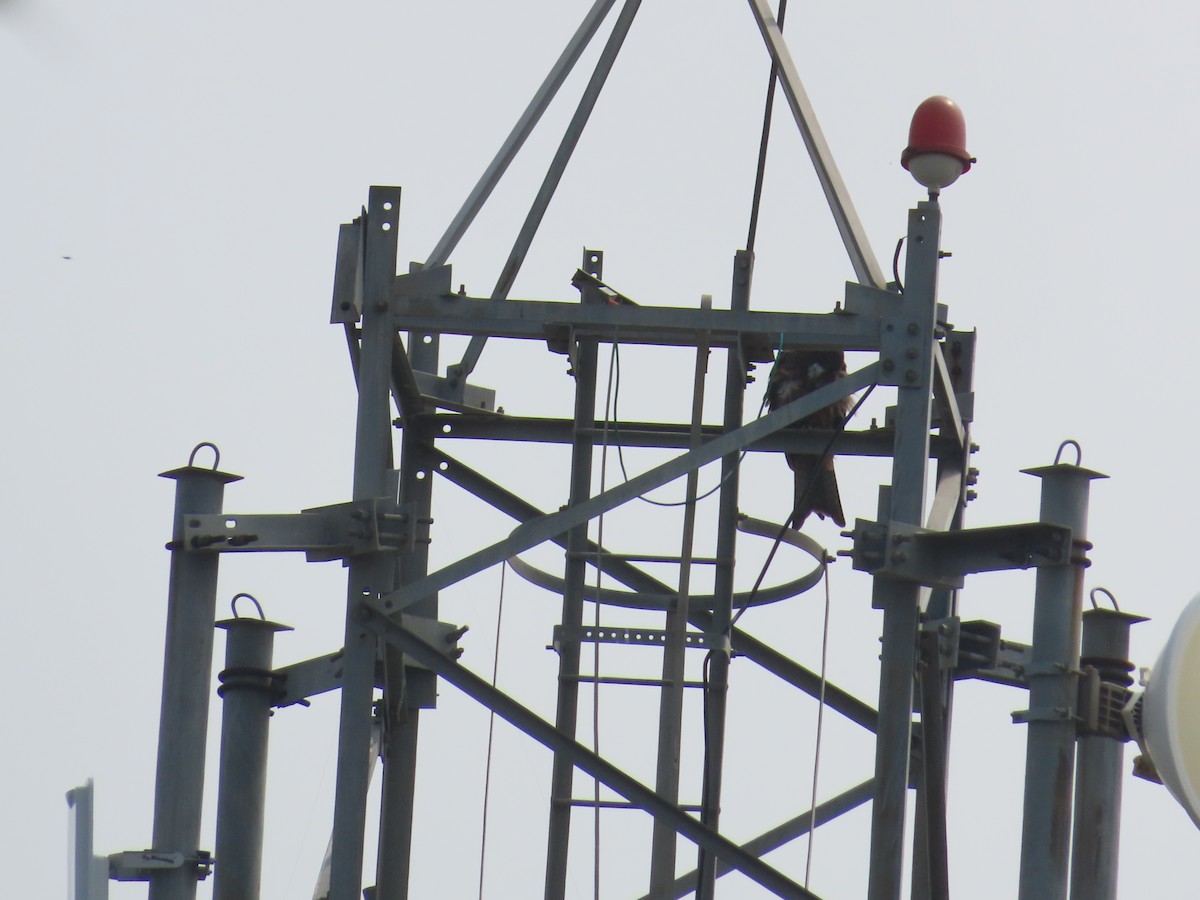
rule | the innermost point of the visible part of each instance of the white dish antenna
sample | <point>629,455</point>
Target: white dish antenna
<point>1166,717</point>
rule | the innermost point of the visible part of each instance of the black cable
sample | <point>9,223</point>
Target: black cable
<point>896,266</point>
<point>621,454</point>
<point>760,172</point>
<point>808,488</point>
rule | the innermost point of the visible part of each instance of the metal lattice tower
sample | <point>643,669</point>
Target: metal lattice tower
<point>395,649</point>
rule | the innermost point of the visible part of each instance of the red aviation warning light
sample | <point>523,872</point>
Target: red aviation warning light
<point>937,144</point>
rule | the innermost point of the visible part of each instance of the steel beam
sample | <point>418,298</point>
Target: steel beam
<point>615,778</point>
<point>435,308</point>
<point>405,690</point>
<point>520,132</point>
<point>935,883</point>
<point>562,776</point>
<point>533,533</point>
<point>718,624</point>
<point>370,574</point>
<point>901,601</point>
<point>866,266</point>
<point>795,827</point>
<point>670,720</point>
<point>558,165</point>
<point>876,442</point>
<point>746,646</point>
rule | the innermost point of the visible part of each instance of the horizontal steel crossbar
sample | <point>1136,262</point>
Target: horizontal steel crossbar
<point>876,442</point>
<point>530,534</point>
<point>432,308</point>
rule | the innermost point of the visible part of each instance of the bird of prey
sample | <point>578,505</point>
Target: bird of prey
<point>796,373</point>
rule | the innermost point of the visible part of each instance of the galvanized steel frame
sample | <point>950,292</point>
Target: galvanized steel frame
<point>389,581</point>
<point>391,629</point>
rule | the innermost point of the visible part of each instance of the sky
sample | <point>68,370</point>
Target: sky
<point>173,179</point>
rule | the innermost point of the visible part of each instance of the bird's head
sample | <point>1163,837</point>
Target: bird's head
<point>824,365</point>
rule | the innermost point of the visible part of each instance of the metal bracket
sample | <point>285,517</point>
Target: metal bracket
<point>447,393</point>
<point>348,274</point>
<point>904,338</point>
<point>593,290</point>
<point>1012,661</point>
<point>322,533</point>
<point>865,300</point>
<point>978,648</point>
<point>1102,705</point>
<point>429,286</point>
<point>941,559</point>
<point>1045,714</point>
<point>958,350</point>
<point>903,348</point>
<point>422,285</point>
<point>303,680</point>
<point>946,633</point>
<point>142,865</point>
<point>653,637</point>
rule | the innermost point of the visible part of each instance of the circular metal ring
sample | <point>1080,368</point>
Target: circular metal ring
<point>640,600</point>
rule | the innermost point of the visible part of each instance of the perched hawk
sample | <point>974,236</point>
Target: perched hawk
<point>796,373</point>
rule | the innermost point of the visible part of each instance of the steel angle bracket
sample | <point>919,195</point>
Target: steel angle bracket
<point>322,674</point>
<point>348,275</point>
<point>322,533</point>
<point>446,393</point>
<point>941,559</point>
<point>1046,714</point>
<point>142,865</point>
<point>939,642</point>
<point>1012,660</point>
<point>864,300</point>
<point>427,289</point>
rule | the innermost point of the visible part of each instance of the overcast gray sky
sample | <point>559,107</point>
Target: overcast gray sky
<point>173,179</point>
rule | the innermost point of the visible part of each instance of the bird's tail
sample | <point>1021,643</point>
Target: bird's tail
<point>816,489</point>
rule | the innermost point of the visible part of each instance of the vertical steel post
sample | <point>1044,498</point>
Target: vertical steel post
<point>900,600</point>
<point>1100,761</point>
<point>716,692</point>
<point>187,676</point>
<point>396,814</point>
<point>407,689</point>
<point>1052,678</point>
<point>248,691</point>
<point>930,850</point>
<point>670,720</point>
<point>562,776</point>
<point>934,882</point>
<point>370,574</point>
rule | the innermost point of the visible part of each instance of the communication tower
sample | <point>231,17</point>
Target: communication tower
<point>395,649</point>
